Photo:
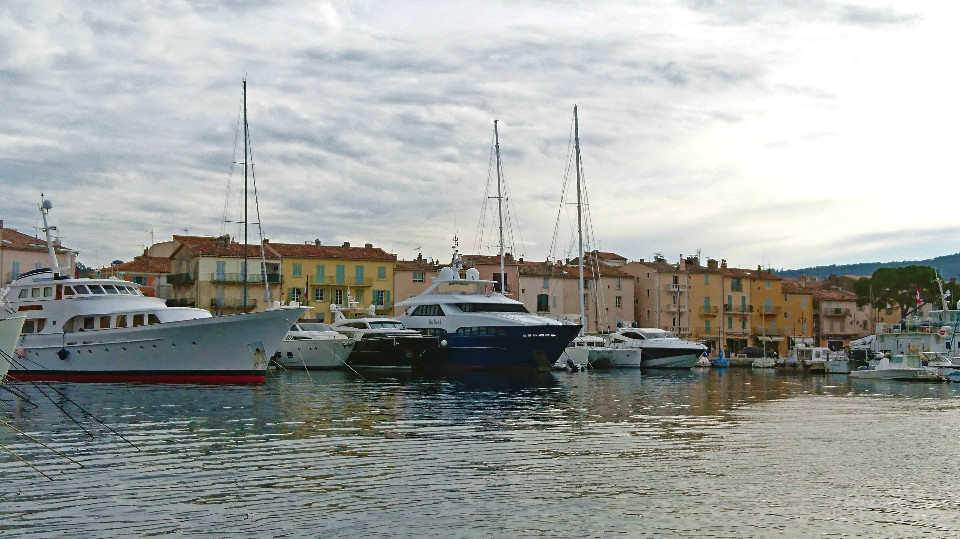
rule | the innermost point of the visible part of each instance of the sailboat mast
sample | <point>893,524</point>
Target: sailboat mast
<point>246,165</point>
<point>576,141</point>
<point>503,277</point>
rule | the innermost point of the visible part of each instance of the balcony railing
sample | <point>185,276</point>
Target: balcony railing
<point>772,311</point>
<point>178,278</point>
<point>182,302</point>
<point>677,308</point>
<point>679,287</point>
<point>772,332</point>
<point>836,311</point>
<point>681,331</point>
<point>738,309</point>
<point>254,278</point>
<point>709,311</point>
<point>333,281</point>
<point>232,303</point>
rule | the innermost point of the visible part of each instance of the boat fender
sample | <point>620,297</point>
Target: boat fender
<point>21,352</point>
<point>443,343</point>
<point>572,365</point>
<point>63,354</point>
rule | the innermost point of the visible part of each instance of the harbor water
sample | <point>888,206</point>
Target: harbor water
<point>702,453</point>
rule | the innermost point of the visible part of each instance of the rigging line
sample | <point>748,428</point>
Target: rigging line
<point>482,224</point>
<point>233,162</point>
<point>36,385</point>
<point>563,191</point>
<point>35,440</point>
<point>23,460</point>
<point>19,394</point>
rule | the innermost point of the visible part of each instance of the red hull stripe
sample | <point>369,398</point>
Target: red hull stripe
<point>246,377</point>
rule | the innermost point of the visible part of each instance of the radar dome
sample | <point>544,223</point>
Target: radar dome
<point>473,274</point>
<point>47,204</point>
<point>446,274</point>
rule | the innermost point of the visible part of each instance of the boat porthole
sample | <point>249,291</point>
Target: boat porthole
<point>193,343</point>
<point>123,347</point>
<point>173,344</point>
<point>154,346</point>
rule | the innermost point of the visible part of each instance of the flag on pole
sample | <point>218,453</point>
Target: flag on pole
<point>919,301</point>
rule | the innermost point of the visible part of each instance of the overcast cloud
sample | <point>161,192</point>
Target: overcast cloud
<point>781,134</point>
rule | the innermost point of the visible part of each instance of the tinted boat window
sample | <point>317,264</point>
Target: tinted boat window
<point>492,307</point>
<point>110,289</point>
<point>96,289</point>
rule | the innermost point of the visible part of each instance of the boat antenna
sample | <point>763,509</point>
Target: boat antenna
<point>44,209</point>
<point>576,139</point>
<point>246,167</point>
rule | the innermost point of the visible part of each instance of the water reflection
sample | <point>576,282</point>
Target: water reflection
<point>707,452</point>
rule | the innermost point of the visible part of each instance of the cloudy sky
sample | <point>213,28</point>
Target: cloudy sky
<point>776,133</point>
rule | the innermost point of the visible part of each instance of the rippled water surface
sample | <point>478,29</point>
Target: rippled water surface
<point>707,453</point>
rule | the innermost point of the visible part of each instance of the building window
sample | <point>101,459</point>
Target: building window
<point>619,302</point>
<point>706,279</point>
<point>766,284</point>
<point>803,303</point>
<point>767,307</point>
<point>729,322</point>
<point>736,285</point>
<point>546,283</point>
<point>293,294</point>
<point>358,275</point>
<point>706,327</point>
<point>358,297</point>
<point>418,276</point>
<point>619,283</point>
<point>341,274</point>
<point>297,269</point>
<point>318,294</point>
<point>139,280</point>
<point>321,273</point>
<point>382,273</point>
<point>543,303</point>
<point>338,296</point>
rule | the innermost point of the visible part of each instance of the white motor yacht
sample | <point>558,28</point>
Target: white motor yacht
<point>313,345</point>
<point>380,342</point>
<point>10,329</point>
<point>106,330</point>
<point>656,349</point>
<point>902,367</point>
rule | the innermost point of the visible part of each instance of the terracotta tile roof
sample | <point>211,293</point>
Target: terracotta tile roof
<point>416,265</point>
<point>546,269</point>
<point>608,256</point>
<point>790,286</point>
<point>11,239</point>
<point>144,264</point>
<point>346,252</point>
<point>833,295</point>
<point>217,247</point>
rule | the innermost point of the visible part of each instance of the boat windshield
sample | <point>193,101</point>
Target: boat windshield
<point>386,324</point>
<point>492,307</point>
<point>314,326</point>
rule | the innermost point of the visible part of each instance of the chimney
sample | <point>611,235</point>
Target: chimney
<point>368,246</point>
<point>419,257</point>
<point>682,265</point>
<point>317,242</point>
<point>712,264</point>
<point>266,240</point>
<point>346,245</point>
<point>1,223</point>
<point>723,263</point>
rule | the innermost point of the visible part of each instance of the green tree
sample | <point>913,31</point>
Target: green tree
<point>897,287</point>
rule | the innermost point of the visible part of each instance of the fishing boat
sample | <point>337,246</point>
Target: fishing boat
<point>313,345</point>
<point>379,342</point>
<point>902,367</point>
<point>10,329</point>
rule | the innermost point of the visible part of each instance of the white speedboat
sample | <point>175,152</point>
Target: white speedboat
<point>380,342</point>
<point>902,367</point>
<point>313,345</point>
<point>481,329</point>
<point>10,329</point>
<point>593,351</point>
<point>106,330</point>
<point>657,349</point>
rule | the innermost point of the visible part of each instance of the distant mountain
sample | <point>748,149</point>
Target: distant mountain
<point>947,265</point>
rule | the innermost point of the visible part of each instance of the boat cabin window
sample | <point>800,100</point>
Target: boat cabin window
<point>87,322</point>
<point>121,320</point>
<point>427,310</point>
<point>356,325</point>
<point>82,289</point>
<point>23,294</point>
<point>48,291</point>
<point>34,292</point>
<point>110,289</point>
<point>153,319</point>
<point>433,332</point>
<point>68,291</point>
<point>104,322</point>
<point>96,289</point>
<point>481,331</point>
<point>138,320</point>
<point>492,307</point>
<point>35,325</point>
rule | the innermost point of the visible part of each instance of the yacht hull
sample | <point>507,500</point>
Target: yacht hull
<point>313,353</point>
<point>391,353</point>
<point>522,348</point>
<point>669,358</point>
<point>214,350</point>
<point>9,335</point>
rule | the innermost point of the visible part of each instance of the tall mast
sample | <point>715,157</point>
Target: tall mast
<point>503,276</point>
<point>576,141</point>
<point>246,165</point>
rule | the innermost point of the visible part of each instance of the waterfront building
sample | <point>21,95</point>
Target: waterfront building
<point>411,278</point>
<point>798,314</point>
<point>706,301</point>
<point>489,268</point>
<point>150,272</point>
<point>319,275</point>
<point>663,295</point>
<point>20,253</point>
<point>210,272</point>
